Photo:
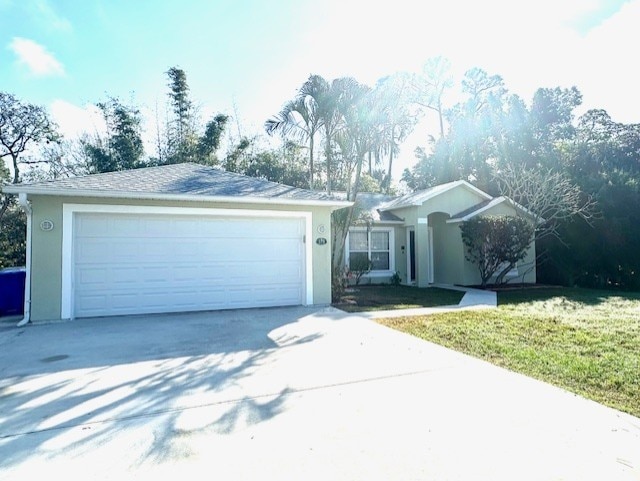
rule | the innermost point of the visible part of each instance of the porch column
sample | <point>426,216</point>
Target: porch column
<point>422,252</point>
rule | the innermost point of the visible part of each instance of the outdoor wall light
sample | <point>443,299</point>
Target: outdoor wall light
<point>46,225</point>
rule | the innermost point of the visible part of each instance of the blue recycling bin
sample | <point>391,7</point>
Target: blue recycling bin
<point>12,291</point>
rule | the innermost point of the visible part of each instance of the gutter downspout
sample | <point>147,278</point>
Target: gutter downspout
<point>26,205</point>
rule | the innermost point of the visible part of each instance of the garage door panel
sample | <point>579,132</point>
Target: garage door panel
<point>127,264</point>
<point>93,275</point>
<point>93,226</point>
<point>124,275</point>
<point>124,300</point>
<point>93,249</point>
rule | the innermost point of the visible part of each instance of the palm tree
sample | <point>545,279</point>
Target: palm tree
<point>361,119</point>
<point>326,97</point>
<point>392,97</point>
<point>298,119</point>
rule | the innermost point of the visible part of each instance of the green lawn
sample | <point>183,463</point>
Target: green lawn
<point>585,341</point>
<point>387,297</point>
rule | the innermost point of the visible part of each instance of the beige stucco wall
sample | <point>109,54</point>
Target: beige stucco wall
<point>448,250</point>
<point>46,248</point>
<point>450,264</point>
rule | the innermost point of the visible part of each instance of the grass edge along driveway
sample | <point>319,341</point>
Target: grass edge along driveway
<point>585,341</point>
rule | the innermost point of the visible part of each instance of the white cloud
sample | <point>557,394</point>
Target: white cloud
<point>36,58</point>
<point>73,121</point>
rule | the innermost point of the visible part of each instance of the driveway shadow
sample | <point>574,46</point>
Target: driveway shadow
<point>99,372</point>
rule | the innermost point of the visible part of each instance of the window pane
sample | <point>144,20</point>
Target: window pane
<point>358,241</point>
<point>380,261</point>
<point>379,241</point>
<point>358,260</point>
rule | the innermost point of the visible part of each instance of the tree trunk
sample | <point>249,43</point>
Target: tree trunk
<point>328,156</point>
<point>503,273</point>
<point>440,119</point>
<point>388,187</point>
<point>16,169</point>
<point>5,205</point>
<point>343,222</point>
<point>311,145</point>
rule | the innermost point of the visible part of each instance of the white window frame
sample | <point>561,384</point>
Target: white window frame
<point>392,260</point>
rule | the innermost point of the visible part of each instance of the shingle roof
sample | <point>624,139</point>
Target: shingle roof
<point>187,179</point>
<point>419,197</point>
<point>369,205</point>
<point>471,210</point>
<point>486,205</point>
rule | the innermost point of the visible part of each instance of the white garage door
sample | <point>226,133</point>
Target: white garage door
<point>133,264</point>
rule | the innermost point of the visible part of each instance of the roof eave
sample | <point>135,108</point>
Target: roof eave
<point>431,195</point>
<point>490,205</point>
<point>337,204</point>
<point>400,206</point>
<point>394,222</point>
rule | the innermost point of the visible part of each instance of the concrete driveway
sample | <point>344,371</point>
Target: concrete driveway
<point>294,393</point>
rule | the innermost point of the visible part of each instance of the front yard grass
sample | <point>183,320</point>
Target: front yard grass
<point>388,297</point>
<point>585,341</point>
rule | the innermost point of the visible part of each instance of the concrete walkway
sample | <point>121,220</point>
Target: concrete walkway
<point>472,299</point>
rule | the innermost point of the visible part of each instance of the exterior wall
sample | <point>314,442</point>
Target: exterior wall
<point>46,248</point>
<point>448,203</point>
<point>46,260</point>
<point>448,254</point>
<point>450,264</point>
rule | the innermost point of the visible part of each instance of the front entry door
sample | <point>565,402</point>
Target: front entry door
<point>412,255</point>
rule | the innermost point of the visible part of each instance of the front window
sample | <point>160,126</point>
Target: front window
<point>371,245</point>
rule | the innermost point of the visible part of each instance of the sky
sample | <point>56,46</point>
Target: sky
<point>247,57</point>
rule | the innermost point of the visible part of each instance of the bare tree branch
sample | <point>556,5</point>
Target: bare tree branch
<point>549,196</point>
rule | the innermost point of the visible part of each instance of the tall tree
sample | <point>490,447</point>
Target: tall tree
<point>326,98</point>
<point>429,87</point>
<point>603,158</point>
<point>552,120</point>
<point>13,235</point>
<point>182,142</point>
<point>22,126</point>
<point>391,100</point>
<point>181,125</point>
<point>122,147</point>
<point>209,142</point>
<point>298,120</point>
<point>362,118</point>
<point>185,138</point>
<point>285,165</point>
<point>549,195</point>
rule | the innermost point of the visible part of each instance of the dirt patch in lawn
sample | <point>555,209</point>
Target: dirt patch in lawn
<point>386,297</point>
